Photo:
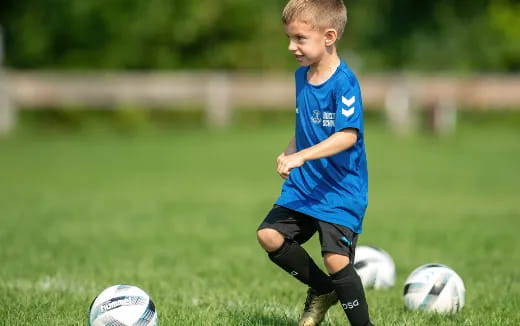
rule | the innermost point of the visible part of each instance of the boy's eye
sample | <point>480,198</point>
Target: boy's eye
<point>297,37</point>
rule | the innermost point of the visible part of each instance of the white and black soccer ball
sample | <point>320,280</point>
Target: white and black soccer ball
<point>122,305</point>
<point>375,267</point>
<point>436,288</point>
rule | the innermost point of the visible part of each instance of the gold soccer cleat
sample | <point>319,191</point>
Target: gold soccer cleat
<point>316,306</point>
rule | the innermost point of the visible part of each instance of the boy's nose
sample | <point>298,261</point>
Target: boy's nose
<point>292,46</point>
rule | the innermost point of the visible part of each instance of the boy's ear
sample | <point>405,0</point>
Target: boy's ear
<point>331,35</point>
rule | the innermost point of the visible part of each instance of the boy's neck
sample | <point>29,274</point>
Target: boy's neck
<point>321,71</point>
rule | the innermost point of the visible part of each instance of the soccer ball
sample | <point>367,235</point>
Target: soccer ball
<point>434,287</point>
<point>122,305</point>
<point>375,267</point>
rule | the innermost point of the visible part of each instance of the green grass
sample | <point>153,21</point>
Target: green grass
<point>175,213</point>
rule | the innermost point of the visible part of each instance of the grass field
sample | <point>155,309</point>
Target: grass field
<point>175,213</point>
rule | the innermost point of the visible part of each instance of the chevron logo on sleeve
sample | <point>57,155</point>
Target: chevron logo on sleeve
<point>348,102</point>
<point>348,112</point>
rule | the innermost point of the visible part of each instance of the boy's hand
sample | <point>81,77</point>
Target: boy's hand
<point>288,162</point>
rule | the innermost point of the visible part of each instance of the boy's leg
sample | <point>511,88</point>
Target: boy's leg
<point>290,228</point>
<point>351,295</point>
<point>338,248</point>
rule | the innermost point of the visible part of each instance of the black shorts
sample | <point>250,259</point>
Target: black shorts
<point>300,227</point>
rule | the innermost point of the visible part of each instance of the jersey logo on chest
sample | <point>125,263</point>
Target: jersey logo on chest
<point>325,119</point>
<point>316,117</point>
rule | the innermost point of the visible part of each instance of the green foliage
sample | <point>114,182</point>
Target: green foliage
<point>156,34</point>
<point>437,35</point>
<point>464,35</point>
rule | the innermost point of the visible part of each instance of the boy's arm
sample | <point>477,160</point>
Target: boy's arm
<point>336,143</point>
<point>290,149</point>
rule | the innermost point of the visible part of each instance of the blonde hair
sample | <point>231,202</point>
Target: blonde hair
<point>320,14</point>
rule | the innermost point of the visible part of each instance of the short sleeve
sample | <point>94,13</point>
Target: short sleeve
<point>349,108</point>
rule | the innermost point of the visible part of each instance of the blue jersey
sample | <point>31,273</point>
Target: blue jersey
<point>333,189</point>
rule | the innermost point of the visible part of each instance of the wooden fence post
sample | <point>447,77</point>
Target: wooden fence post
<point>442,116</point>
<point>399,110</point>
<point>7,109</point>
<point>218,104</point>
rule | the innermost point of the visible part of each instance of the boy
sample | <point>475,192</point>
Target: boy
<point>324,167</point>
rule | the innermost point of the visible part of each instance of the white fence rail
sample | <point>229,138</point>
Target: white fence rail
<point>219,93</point>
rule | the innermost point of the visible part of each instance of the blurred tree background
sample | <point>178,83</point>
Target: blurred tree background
<point>462,36</point>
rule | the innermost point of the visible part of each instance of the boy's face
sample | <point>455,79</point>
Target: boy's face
<point>306,43</point>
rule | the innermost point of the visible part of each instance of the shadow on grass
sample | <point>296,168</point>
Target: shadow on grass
<point>267,319</point>
<point>262,319</point>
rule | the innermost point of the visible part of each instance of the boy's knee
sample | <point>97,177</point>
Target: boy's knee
<point>335,262</point>
<point>270,239</point>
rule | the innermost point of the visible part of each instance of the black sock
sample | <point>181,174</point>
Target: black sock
<point>297,262</point>
<point>351,295</point>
